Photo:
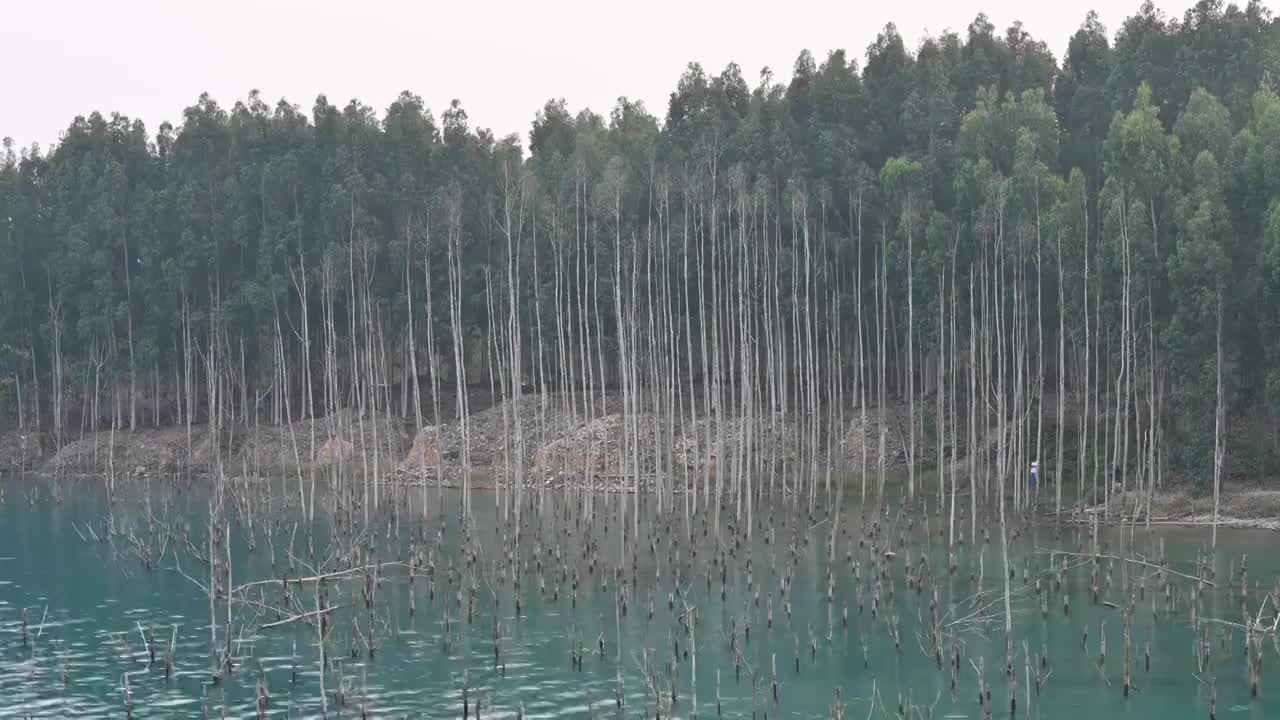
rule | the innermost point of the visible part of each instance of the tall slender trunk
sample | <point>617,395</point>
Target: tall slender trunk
<point>882,355</point>
<point>942,407</point>
<point>1086,368</point>
<point>861,370</point>
<point>133,367</point>
<point>1039,394</point>
<point>1219,415</point>
<point>433,364</point>
<point>911,361</point>
<point>459,354</point>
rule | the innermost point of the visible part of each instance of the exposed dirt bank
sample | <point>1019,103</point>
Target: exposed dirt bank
<point>558,447</point>
<point>1240,508</point>
<point>555,443</point>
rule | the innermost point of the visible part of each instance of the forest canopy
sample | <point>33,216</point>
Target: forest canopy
<point>1095,235</point>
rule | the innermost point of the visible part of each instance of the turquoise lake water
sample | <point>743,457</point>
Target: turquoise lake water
<point>90,603</point>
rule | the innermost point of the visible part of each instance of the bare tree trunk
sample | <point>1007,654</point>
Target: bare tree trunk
<point>1086,367</point>
<point>1039,394</point>
<point>459,356</point>
<point>1219,447</point>
<point>942,408</point>
<point>911,362</point>
<point>860,375</point>
<point>133,369</point>
<point>1002,432</point>
<point>288,410</point>
<point>433,364</point>
<point>514,236</point>
<point>1128,360</point>
<point>543,398</point>
<point>497,364</point>
<point>882,355</point>
<point>688,339</point>
<point>706,370</point>
<point>1152,409</point>
<point>55,328</point>
<point>1098,406</point>
<point>413,343</point>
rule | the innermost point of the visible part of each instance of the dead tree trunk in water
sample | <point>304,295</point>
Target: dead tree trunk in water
<point>455,325</point>
<point>882,357</point>
<point>1086,367</point>
<point>133,369</point>
<point>909,218</point>
<point>861,371</point>
<point>55,325</point>
<point>433,364</point>
<point>1040,356</point>
<point>513,229</point>
<point>1219,449</point>
<point>973,416</point>
<point>942,407</point>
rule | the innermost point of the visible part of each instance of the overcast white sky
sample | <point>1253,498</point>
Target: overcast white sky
<point>149,59</point>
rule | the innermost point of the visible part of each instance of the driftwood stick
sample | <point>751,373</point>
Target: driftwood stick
<point>301,616</point>
<point>1135,561</point>
<point>43,615</point>
<point>335,575</point>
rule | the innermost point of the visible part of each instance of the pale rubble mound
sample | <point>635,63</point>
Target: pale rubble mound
<point>343,437</point>
<point>862,443</point>
<point>593,447</point>
<point>556,443</point>
<point>143,451</point>
<point>433,446</point>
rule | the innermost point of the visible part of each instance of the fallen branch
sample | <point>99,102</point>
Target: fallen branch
<point>1129,560</point>
<point>296,618</point>
<point>336,575</point>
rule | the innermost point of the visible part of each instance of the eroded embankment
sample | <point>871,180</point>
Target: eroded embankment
<point>554,442</point>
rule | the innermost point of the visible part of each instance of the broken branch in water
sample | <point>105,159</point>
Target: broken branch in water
<point>336,575</point>
<point>1134,561</point>
<point>301,616</point>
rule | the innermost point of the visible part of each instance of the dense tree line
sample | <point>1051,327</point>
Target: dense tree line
<point>1080,257</point>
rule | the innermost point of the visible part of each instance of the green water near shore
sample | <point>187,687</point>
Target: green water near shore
<point>89,605</point>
